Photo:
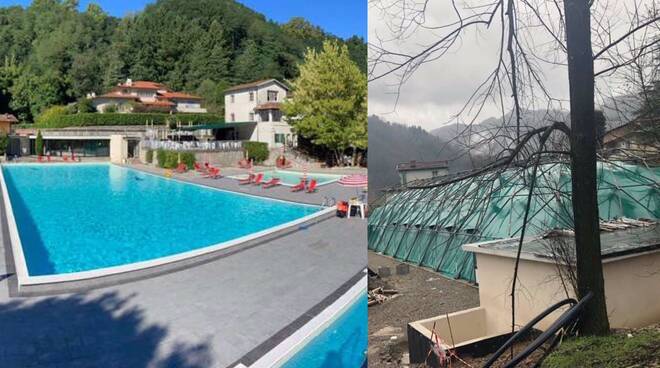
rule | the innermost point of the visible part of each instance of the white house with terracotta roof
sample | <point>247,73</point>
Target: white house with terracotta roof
<point>258,103</point>
<point>151,95</point>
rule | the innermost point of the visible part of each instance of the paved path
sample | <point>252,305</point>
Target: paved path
<point>332,190</point>
<point>212,315</point>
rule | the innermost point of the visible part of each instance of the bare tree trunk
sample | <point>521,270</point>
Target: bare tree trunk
<point>583,166</point>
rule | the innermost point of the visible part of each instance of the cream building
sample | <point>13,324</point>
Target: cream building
<point>259,103</point>
<point>416,170</point>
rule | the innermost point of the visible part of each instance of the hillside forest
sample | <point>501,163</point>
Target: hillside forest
<point>53,54</point>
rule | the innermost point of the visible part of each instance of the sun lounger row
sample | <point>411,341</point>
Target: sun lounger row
<point>311,188</point>
<point>258,179</point>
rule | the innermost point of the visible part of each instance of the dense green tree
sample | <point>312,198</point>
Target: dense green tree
<point>39,143</point>
<point>210,57</point>
<point>329,104</point>
<point>58,54</point>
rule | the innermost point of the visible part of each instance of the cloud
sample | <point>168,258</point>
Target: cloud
<point>438,90</point>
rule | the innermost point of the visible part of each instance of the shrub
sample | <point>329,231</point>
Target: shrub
<point>4,141</point>
<point>150,156</point>
<point>170,159</point>
<point>188,158</point>
<point>110,109</point>
<point>98,119</point>
<point>85,105</point>
<point>257,151</point>
<point>52,112</point>
<point>39,143</point>
<point>160,157</point>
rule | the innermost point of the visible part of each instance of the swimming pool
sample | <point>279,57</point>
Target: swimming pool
<point>291,178</point>
<point>81,217</point>
<point>342,344</point>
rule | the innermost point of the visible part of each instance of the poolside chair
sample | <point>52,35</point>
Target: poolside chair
<point>312,186</point>
<point>181,168</point>
<point>40,158</point>
<point>247,180</point>
<point>198,167</point>
<point>271,183</point>
<point>258,179</point>
<point>213,173</point>
<point>65,157</point>
<point>300,186</point>
<point>245,164</point>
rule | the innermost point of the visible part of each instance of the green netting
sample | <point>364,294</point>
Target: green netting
<point>428,226</point>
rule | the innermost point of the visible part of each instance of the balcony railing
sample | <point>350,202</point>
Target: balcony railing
<point>193,145</point>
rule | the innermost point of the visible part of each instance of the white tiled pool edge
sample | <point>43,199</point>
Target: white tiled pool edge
<point>24,279</point>
<point>277,356</point>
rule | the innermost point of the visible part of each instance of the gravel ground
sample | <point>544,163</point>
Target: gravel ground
<point>422,294</point>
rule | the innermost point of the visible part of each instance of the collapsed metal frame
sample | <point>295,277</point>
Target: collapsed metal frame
<point>438,215</point>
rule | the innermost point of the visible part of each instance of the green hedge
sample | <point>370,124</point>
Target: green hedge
<point>96,119</point>
<point>188,158</point>
<point>257,151</point>
<point>150,156</point>
<point>170,159</point>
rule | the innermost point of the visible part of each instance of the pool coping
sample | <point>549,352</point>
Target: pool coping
<point>75,281</point>
<point>244,176</point>
<point>296,341</point>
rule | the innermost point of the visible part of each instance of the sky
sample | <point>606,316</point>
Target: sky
<point>343,18</point>
<point>437,90</point>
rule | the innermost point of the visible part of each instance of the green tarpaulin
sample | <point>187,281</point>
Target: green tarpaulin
<point>428,226</point>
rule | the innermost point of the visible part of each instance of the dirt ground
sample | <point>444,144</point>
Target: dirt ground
<point>422,294</point>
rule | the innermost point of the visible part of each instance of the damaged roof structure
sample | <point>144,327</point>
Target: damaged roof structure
<point>427,222</point>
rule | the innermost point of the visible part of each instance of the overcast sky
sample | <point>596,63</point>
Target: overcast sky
<point>437,90</point>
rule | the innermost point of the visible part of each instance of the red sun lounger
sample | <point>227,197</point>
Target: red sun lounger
<point>271,183</point>
<point>298,187</point>
<point>247,180</point>
<point>312,186</point>
<point>181,168</point>
<point>258,179</point>
<point>214,173</point>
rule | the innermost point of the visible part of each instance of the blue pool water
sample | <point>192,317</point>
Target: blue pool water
<point>82,217</point>
<point>342,345</point>
<point>293,178</point>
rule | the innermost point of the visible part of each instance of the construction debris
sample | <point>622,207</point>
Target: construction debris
<point>380,295</point>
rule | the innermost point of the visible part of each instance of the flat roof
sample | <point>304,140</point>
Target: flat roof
<point>421,165</point>
<point>613,243</point>
<point>216,125</point>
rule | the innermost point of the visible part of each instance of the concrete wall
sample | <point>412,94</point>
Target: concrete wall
<point>628,282</point>
<point>118,149</point>
<point>631,285</point>
<point>222,159</point>
<point>411,175</point>
<point>123,105</point>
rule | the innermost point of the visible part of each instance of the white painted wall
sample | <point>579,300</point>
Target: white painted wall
<point>118,149</point>
<point>412,175</point>
<point>242,107</point>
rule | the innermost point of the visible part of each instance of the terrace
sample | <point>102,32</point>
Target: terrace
<point>226,311</point>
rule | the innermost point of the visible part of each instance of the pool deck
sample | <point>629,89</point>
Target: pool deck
<point>331,190</point>
<point>218,314</point>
